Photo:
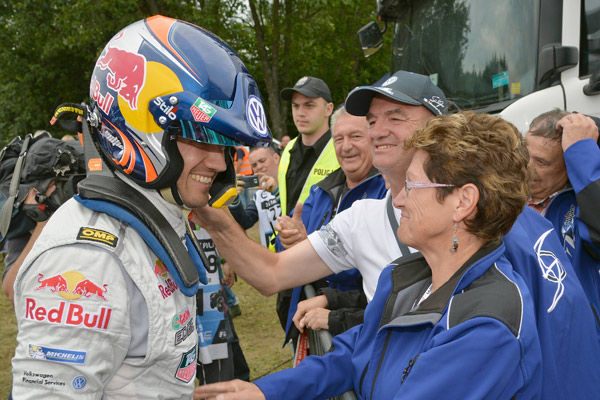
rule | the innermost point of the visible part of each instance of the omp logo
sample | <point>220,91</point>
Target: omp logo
<point>96,235</point>
<point>552,268</point>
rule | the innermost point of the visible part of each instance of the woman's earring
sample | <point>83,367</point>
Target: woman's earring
<point>454,241</point>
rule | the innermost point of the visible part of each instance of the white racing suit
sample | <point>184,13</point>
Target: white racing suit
<point>99,315</point>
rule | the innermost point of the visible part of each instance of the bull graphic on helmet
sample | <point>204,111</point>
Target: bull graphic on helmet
<point>160,78</point>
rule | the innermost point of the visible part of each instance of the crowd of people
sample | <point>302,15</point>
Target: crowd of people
<point>454,256</point>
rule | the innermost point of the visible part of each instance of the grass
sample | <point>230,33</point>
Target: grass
<point>259,331</point>
<point>258,328</point>
<point>8,333</point>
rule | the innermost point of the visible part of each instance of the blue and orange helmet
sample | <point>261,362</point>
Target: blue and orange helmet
<point>160,78</point>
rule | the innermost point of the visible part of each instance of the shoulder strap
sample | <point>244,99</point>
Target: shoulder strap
<point>392,217</point>
<point>102,191</point>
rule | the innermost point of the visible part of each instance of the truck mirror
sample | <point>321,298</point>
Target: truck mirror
<point>554,59</point>
<point>370,38</point>
<point>593,87</point>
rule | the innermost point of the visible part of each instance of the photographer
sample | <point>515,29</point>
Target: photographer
<point>48,178</point>
<point>265,207</point>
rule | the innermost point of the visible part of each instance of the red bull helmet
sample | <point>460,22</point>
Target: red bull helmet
<point>160,78</point>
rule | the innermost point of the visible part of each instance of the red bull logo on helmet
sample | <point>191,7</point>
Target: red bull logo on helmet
<point>104,101</point>
<point>126,73</point>
<point>72,285</point>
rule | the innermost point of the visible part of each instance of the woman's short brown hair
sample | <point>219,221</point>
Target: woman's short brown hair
<point>486,151</point>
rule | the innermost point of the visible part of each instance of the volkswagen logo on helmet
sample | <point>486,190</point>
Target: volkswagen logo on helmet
<point>255,114</point>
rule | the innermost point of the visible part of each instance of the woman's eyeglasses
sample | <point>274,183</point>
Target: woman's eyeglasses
<point>408,185</point>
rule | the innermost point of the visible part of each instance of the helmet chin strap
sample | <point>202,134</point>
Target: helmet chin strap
<point>171,195</point>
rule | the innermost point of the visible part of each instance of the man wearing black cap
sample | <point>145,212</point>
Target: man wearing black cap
<point>309,157</point>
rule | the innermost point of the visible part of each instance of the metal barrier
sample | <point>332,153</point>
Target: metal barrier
<point>320,343</point>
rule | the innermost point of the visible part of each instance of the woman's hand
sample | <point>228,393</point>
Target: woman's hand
<point>232,390</point>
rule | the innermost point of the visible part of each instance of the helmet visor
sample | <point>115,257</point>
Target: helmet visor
<point>200,133</point>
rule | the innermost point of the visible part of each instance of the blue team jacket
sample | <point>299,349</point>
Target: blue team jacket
<point>575,214</point>
<point>473,338</point>
<point>569,334</point>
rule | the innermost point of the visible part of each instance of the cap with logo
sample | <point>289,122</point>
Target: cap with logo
<point>309,86</point>
<point>405,87</point>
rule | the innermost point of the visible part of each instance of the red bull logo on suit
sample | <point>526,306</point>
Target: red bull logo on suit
<point>70,285</point>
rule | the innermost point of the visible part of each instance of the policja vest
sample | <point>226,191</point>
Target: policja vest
<point>326,163</point>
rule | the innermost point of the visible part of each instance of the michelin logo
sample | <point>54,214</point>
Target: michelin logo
<point>56,355</point>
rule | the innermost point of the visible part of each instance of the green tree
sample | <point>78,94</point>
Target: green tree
<point>48,48</point>
<point>294,38</point>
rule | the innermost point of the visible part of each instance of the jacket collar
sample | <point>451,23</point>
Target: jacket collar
<point>412,276</point>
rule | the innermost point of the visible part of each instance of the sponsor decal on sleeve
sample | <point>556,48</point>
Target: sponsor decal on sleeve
<point>41,378</point>
<point>187,366</point>
<point>71,285</point>
<point>79,382</point>
<point>68,314</point>
<point>97,235</point>
<point>184,332</point>
<point>333,242</point>
<point>57,355</point>
<point>166,285</point>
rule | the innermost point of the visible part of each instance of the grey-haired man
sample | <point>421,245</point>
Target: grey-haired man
<point>361,237</point>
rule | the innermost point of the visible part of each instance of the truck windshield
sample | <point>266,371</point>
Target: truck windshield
<point>482,54</point>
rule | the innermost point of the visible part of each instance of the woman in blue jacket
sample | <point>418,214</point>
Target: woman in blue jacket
<point>456,320</point>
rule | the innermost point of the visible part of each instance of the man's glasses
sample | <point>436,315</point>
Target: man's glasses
<point>408,185</point>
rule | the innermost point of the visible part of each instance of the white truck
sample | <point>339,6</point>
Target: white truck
<point>516,58</point>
